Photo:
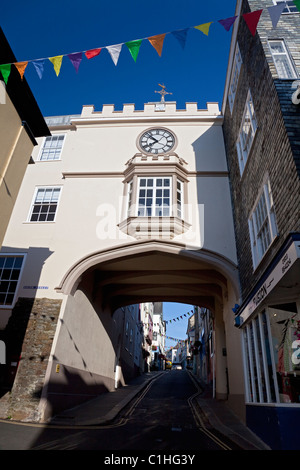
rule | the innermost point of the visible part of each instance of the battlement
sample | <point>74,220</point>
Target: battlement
<point>166,108</point>
<point>152,111</point>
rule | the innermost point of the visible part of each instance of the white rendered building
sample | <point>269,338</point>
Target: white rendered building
<point>119,208</point>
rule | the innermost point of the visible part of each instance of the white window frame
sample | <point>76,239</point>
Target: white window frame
<point>155,188</point>
<point>13,255</point>
<point>235,75</point>
<point>288,64</point>
<point>262,224</point>
<point>260,382</point>
<point>52,139</point>
<point>34,202</point>
<point>289,4</point>
<point>247,133</point>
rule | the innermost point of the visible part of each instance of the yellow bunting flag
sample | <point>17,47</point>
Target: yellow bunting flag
<point>204,27</point>
<point>21,66</point>
<point>56,61</point>
<point>157,42</point>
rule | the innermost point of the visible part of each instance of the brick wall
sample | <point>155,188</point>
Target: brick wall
<point>275,149</point>
<point>37,318</point>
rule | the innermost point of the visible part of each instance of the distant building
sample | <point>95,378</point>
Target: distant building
<point>159,337</point>
<point>147,325</point>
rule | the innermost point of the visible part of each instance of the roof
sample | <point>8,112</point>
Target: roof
<point>20,93</point>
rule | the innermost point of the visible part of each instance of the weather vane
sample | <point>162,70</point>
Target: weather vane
<point>163,92</point>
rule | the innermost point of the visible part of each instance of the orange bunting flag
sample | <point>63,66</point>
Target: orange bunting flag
<point>204,27</point>
<point>157,42</point>
<point>21,66</point>
<point>56,61</point>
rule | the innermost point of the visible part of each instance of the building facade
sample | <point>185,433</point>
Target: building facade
<point>159,338</point>
<point>21,122</point>
<point>262,139</point>
<point>120,208</point>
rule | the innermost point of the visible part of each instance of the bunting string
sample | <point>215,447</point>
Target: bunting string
<point>157,41</point>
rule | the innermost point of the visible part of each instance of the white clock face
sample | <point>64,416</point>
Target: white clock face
<point>157,141</point>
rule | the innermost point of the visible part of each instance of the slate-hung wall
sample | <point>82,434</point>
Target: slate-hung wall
<point>276,145</point>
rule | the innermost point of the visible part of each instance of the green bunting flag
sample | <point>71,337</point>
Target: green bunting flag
<point>134,47</point>
<point>297,3</point>
<point>5,70</point>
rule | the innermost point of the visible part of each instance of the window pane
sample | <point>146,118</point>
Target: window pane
<point>9,277</point>
<point>45,204</point>
<point>52,148</point>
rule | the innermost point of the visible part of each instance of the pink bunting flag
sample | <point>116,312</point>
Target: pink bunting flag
<point>252,20</point>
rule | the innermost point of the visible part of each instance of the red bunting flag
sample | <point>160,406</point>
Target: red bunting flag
<point>93,53</point>
<point>252,20</point>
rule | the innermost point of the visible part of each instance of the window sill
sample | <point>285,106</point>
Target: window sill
<point>39,223</point>
<point>165,228</point>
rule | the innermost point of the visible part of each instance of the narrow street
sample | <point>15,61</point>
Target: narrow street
<point>162,418</point>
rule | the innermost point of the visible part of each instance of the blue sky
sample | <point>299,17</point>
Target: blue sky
<point>38,29</point>
<point>176,329</point>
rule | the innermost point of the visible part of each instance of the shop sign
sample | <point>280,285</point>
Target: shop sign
<point>282,267</point>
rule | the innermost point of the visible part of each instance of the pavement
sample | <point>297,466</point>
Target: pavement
<point>213,414</point>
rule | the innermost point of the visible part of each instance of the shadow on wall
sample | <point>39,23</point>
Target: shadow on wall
<point>14,332</point>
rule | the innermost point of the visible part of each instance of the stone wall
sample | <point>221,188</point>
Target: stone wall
<point>272,152</point>
<point>37,318</point>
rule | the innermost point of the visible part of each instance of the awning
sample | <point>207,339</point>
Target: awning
<point>280,283</point>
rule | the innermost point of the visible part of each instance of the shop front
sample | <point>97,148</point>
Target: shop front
<point>270,324</point>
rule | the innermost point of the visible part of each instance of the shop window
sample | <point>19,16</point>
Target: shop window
<point>272,357</point>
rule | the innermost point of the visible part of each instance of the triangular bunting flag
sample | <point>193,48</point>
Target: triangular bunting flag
<point>157,42</point>
<point>134,47</point>
<point>252,20</point>
<point>204,27</point>
<point>39,67</point>
<point>76,58</point>
<point>297,3</point>
<point>92,53</point>
<point>21,66</point>
<point>56,61</point>
<point>181,36</point>
<point>228,22</point>
<point>5,70</point>
<point>275,12</point>
<point>115,52</point>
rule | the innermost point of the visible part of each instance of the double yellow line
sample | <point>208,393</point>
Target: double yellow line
<point>199,420</point>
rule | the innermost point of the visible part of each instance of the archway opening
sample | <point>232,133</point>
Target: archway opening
<point>106,290</point>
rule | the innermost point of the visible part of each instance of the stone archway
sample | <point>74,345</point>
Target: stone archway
<point>102,282</point>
